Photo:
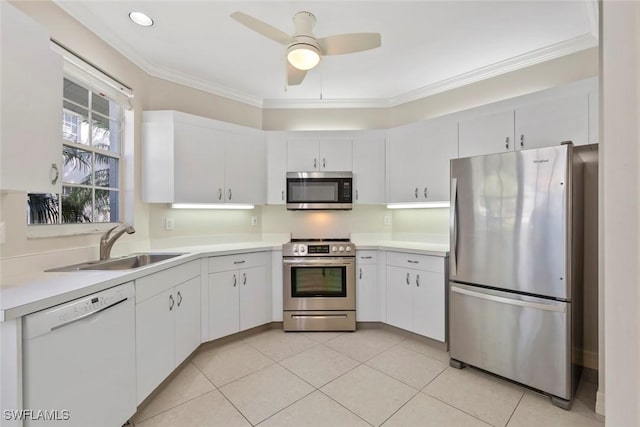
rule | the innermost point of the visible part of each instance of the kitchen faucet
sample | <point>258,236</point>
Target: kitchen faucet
<point>107,240</point>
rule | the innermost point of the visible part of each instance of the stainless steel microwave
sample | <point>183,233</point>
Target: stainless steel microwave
<point>319,190</point>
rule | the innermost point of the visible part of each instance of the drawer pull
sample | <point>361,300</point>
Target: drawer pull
<point>366,257</point>
<point>410,261</point>
<point>239,262</point>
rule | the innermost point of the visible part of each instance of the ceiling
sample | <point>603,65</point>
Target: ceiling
<point>427,46</point>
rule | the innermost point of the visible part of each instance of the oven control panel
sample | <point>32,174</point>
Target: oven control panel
<point>319,249</point>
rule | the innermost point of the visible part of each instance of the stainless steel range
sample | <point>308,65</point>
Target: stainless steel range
<point>319,285</point>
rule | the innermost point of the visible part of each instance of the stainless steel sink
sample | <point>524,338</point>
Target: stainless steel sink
<point>124,263</point>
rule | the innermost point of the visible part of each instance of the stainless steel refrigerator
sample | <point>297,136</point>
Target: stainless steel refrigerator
<point>515,267</point>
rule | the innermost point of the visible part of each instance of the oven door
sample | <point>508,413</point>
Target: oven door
<point>319,283</point>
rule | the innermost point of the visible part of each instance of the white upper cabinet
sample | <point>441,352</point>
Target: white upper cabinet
<point>418,158</point>
<point>552,121</point>
<point>190,159</point>
<point>276,168</point>
<point>541,119</point>
<point>487,134</point>
<point>369,169</point>
<point>31,106</point>
<point>244,167</point>
<point>308,155</point>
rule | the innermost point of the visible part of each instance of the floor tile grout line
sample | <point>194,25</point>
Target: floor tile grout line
<point>433,379</point>
<point>458,409</point>
<point>171,408</point>
<point>236,408</point>
<point>392,377</point>
<point>515,409</point>
<point>289,405</point>
<point>339,403</point>
<point>401,406</point>
<point>424,354</point>
<point>241,377</point>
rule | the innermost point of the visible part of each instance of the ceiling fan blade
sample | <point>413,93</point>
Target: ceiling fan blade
<point>294,76</point>
<point>261,27</point>
<point>349,43</point>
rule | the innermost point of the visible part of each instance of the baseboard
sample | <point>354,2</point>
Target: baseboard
<point>590,359</point>
<point>600,403</point>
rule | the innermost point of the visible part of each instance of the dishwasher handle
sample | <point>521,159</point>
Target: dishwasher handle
<point>91,313</point>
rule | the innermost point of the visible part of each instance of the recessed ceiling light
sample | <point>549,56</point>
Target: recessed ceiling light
<point>141,19</point>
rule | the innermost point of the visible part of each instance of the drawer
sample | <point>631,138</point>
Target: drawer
<point>164,280</point>
<point>416,261</point>
<point>366,257</point>
<point>235,262</point>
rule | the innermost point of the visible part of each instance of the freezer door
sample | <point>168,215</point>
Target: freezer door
<point>509,221</point>
<point>522,338</point>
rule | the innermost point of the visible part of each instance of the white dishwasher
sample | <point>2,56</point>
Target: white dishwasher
<point>79,361</point>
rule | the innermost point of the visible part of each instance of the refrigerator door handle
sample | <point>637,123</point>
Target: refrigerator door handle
<point>453,229</point>
<point>561,308</point>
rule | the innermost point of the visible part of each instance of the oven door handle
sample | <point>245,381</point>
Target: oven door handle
<point>315,262</point>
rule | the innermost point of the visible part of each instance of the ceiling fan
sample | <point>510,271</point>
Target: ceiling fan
<point>304,50</point>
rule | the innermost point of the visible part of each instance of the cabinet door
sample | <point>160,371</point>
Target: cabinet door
<point>369,170</point>
<point>428,304</point>
<point>276,169</point>
<point>552,121</point>
<point>367,302</point>
<point>335,155</point>
<point>223,304</point>
<point>154,342</point>
<point>245,169</point>
<point>405,162</point>
<point>488,134</point>
<point>253,297</point>
<point>439,146</point>
<point>399,293</point>
<point>198,164</point>
<point>302,155</point>
<point>31,105</point>
<point>187,318</point>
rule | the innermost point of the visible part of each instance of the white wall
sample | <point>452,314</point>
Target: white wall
<point>620,79</point>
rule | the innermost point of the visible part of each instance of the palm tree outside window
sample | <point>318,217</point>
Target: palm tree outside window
<point>91,141</point>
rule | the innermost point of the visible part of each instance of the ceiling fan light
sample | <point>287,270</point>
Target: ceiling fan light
<point>303,56</point>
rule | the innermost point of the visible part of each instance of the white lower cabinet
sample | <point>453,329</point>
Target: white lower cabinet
<point>238,293</point>
<point>167,323</point>
<point>367,293</point>
<point>416,293</point>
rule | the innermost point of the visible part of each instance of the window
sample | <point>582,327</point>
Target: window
<point>92,127</point>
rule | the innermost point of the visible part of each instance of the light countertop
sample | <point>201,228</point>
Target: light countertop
<point>39,290</point>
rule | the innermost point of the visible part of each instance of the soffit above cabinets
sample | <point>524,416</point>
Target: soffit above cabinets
<point>427,46</point>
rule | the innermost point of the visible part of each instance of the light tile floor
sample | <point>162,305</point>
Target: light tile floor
<point>370,377</point>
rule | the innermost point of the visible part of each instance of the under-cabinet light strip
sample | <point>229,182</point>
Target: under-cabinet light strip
<point>210,206</point>
<point>427,205</point>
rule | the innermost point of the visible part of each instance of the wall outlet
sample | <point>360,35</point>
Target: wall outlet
<point>386,220</point>
<point>254,221</point>
<point>168,224</point>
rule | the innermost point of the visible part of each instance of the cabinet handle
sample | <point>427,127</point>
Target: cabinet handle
<point>361,273</point>
<point>179,298</point>
<point>219,193</point>
<point>239,262</point>
<point>54,169</point>
<point>506,143</point>
<point>229,194</point>
<point>410,261</point>
<point>356,194</point>
<point>172,302</point>
<point>417,280</point>
<point>416,192</point>
<point>235,281</point>
<point>425,193</point>
<point>366,257</point>
<point>407,278</point>
<point>282,196</point>
<point>522,140</point>
<point>324,163</point>
<point>244,278</point>
<point>315,163</point>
